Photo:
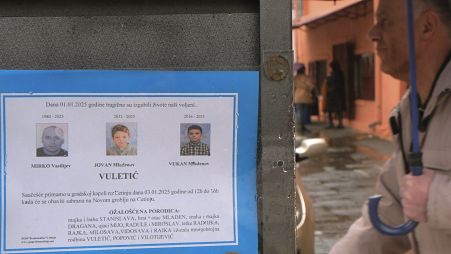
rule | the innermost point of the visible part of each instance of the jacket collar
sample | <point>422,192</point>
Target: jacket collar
<point>442,84</point>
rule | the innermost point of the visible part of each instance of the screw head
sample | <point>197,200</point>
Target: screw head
<point>277,68</point>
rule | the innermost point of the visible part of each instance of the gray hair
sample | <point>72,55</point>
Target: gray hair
<point>442,7</point>
<point>58,131</point>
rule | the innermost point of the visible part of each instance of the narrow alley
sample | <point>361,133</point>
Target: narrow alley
<point>341,180</point>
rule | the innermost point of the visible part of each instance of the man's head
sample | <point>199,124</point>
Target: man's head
<point>432,29</point>
<point>301,70</point>
<point>334,65</point>
<point>121,135</point>
<point>195,133</point>
<point>52,140</point>
<point>442,7</point>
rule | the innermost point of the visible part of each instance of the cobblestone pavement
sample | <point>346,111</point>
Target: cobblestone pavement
<point>341,180</point>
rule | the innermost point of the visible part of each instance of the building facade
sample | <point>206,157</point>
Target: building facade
<point>326,30</point>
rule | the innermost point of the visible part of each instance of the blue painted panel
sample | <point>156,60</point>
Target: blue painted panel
<point>241,86</point>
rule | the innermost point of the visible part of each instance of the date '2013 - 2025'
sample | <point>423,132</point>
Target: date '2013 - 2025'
<point>123,116</point>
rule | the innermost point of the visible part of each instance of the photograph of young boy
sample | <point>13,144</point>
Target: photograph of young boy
<point>120,135</point>
<point>195,146</point>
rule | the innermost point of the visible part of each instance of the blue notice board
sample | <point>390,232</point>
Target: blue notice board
<point>128,162</point>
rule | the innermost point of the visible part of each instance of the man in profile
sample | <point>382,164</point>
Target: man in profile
<point>52,140</point>
<point>426,198</point>
<point>195,146</point>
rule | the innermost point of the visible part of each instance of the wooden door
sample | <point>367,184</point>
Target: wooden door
<point>344,54</point>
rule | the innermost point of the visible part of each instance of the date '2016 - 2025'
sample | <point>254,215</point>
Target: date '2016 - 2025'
<point>193,116</point>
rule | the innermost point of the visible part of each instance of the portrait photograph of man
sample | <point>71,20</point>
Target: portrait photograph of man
<point>195,139</point>
<point>50,140</point>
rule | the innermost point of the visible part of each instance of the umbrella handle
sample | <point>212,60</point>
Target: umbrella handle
<point>373,204</point>
<point>380,226</point>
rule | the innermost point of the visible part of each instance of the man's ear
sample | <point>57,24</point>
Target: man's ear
<point>428,23</point>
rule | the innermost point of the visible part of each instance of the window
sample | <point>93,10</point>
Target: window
<point>297,8</point>
<point>364,77</point>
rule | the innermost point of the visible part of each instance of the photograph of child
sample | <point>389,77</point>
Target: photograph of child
<point>194,142</point>
<point>120,141</point>
<point>50,140</point>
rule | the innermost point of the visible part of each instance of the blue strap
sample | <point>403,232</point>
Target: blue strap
<point>416,169</point>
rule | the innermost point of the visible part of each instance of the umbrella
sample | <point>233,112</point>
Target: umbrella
<point>414,158</point>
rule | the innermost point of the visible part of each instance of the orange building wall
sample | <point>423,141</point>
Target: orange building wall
<point>316,44</point>
<point>316,7</point>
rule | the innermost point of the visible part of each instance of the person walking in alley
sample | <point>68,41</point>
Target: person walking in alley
<point>303,88</point>
<point>424,198</point>
<point>334,87</point>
